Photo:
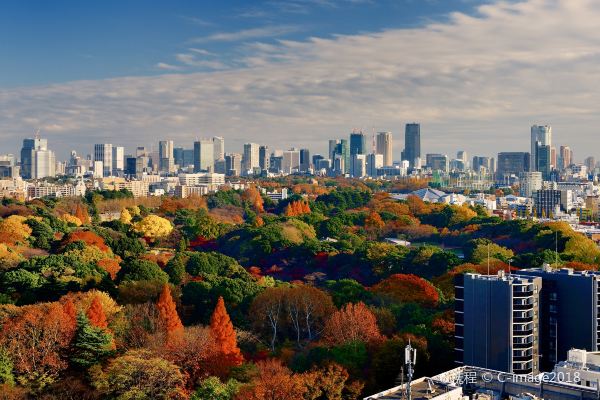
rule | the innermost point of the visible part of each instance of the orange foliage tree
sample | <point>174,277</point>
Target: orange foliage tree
<point>168,317</point>
<point>352,323</point>
<point>274,381</point>
<point>81,213</point>
<point>96,315</point>
<point>88,237</point>
<point>407,288</point>
<point>111,266</point>
<point>70,312</point>
<point>227,353</point>
<point>296,208</point>
<point>36,339</point>
<point>253,196</point>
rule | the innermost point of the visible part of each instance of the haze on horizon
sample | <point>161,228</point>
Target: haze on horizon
<point>297,73</point>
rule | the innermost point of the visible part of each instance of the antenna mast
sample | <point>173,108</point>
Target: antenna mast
<point>410,359</point>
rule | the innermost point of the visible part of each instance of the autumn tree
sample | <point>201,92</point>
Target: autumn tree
<point>407,288</point>
<point>140,375</point>
<point>91,344</point>
<point>307,307</point>
<point>96,315</point>
<point>13,230</point>
<point>36,338</point>
<point>267,310</point>
<point>227,353</point>
<point>254,198</point>
<point>352,323</point>
<point>373,224</point>
<point>125,216</point>
<point>153,227</point>
<point>81,213</point>
<point>274,381</point>
<point>295,208</point>
<point>168,317</point>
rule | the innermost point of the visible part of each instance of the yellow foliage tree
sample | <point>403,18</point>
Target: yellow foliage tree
<point>71,219</point>
<point>154,227</point>
<point>13,229</point>
<point>125,216</point>
<point>9,258</point>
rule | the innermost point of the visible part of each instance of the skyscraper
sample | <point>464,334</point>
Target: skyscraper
<point>304,160</point>
<point>233,164</point>
<point>412,143</point>
<point>166,156</point>
<point>359,165</point>
<point>566,157</point>
<point>204,155</point>
<point>219,147</point>
<point>36,159</point>
<point>118,159</point>
<point>511,163</point>
<point>291,161</point>
<point>263,158</point>
<point>251,157</point>
<point>358,143</point>
<point>385,147</point>
<point>343,150</point>
<point>540,136</point>
<point>332,147</point>
<point>104,153</point>
<point>374,162</point>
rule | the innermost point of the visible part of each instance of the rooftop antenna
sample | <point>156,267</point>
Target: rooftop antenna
<point>410,359</point>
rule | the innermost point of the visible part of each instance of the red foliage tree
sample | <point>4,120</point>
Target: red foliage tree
<point>70,312</point>
<point>296,208</point>
<point>168,317</point>
<point>352,323</point>
<point>408,288</point>
<point>96,315</point>
<point>88,237</point>
<point>227,353</point>
<point>274,381</point>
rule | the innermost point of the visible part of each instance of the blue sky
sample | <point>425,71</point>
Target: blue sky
<point>476,75</point>
<point>60,41</point>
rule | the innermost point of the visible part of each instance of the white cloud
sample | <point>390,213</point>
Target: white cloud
<point>167,67</point>
<point>475,83</point>
<point>246,34</point>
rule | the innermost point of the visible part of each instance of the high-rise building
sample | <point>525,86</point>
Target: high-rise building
<point>511,163</point>
<point>569,312</point>
<point>553,157</point>
<point>291,161</point>
<point>304,160</point>
<point>343,150</point>
<point>118,160</point>
<point>233,164</point>
<point>218,147</point>
<point>412,143</point>
<point>590,163</point>
<point>358,143</point>
<point>461,155</point>
<point>358,169</point>
<point>374,162</point>
<point>178,156</point>
<point>438,162</point>
<point>529,183</point>
<point>204,155</point>
<point>333,147</point>
<point>485,162</point>
<point>385,147</point>
<point>166,156</point>
<point>548,201</point>
<point>496,323</point>
<point>36,160</point>
<point>544,160</point>
<point>264,157</point>
<point>540,136</point>
<point>251,158</point>
<point>104,153</point>
<point>566,157</point>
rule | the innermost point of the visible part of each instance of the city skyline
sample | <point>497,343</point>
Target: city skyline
<point>288,86</point>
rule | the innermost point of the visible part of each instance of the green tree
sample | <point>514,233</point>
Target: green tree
<point>212,388</point>
<point>91,344</point>
<point>143,270</point>
<point>175,268</point>
<point>347,291</point>
<point>6,369</point>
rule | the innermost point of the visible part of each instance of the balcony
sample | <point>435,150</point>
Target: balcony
<point>526,332</point>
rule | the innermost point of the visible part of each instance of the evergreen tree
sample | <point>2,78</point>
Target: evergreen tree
<point>91,344</point>
<point>175,268</point>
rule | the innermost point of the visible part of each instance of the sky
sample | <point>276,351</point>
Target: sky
<point>295,73</point>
